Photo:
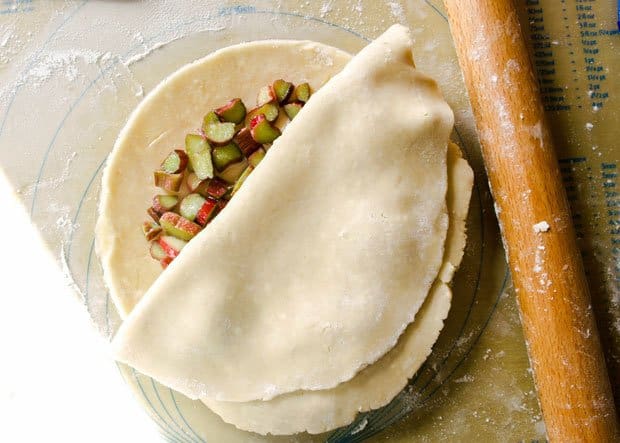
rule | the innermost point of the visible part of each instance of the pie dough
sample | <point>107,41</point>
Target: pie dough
<point>327,252</point>
<point>159,124</point>
<point>378,384</point>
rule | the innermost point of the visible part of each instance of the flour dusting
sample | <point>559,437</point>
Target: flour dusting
<point>5,38</point>
<point>326,8</point>
<point>154,47</point>
<point>66,62</point>
<point>397,11</point>
<point>322,57</point>
<point>360,427</point>
<point>66,273</point>
<point>542,226</point>
<point>467,378</point>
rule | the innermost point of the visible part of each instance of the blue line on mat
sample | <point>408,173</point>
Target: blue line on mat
<point>163,431</point>
<point>174,400</point>
<point>178,438</point>
<point>34,59</point>
<point>168,413</point>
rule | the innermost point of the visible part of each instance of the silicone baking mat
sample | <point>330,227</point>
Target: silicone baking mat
<point>71,72</point>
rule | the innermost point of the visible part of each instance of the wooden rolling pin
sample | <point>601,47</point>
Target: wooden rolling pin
<point>534,216</point>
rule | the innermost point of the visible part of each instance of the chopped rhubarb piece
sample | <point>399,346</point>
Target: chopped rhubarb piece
<point>262,131</point>
<point>225,155</point>
<point>157,251</point>
<point>233,111</point>
<point>282,89</point>
<point>164,203</point>
<point>266,94</point>
<point>168,182</point>
<point>292,109</point>
<point>178,226</point>
<point>232,172</point>
<point>256,120</point>
<point>207,211</point>
<point>195,143</point>
<point>245,142</point>
<point>301,93</point>
<point>194,184</point>
<point>172,246</point>
<point>251,115</point>
<point>164,262</point>
<point>192,181</point>
<point>241,179</point>
<point>153,213</point>
<point>215,131</point>
<point>190,205</point>
<point>217,188</point>
<point>270,110</point>
<point>210,119</point>
<point>219,133</point>
<point>199,153</point>
<point>151,230</point>
<point>256,157</point>
<point>175,163</point>
<point>213,187</point>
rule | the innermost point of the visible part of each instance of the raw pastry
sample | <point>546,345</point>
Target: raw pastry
<point>323,257</point>
<point>376,385</point>
<point>176,107</point>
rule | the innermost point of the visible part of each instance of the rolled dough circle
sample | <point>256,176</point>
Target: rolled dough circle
<point>161,121</point>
